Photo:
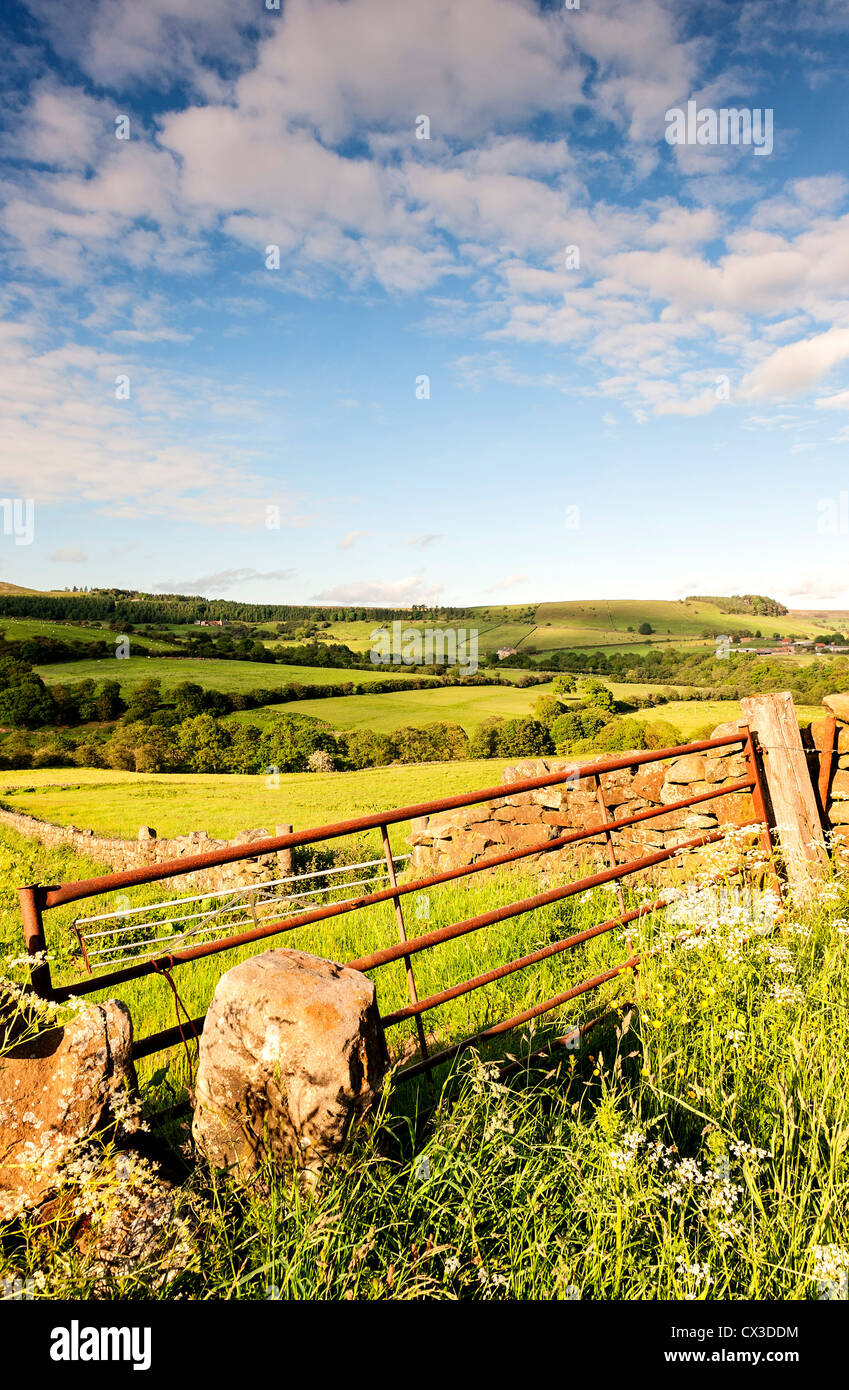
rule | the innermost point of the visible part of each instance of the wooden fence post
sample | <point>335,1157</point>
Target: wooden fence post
<point>284,856</point>
<point>795,813</point>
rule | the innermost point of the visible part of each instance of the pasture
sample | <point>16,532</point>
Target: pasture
<point>211,673</point>
<point>467,706</point>
<point>19,629</point>
<point>117,803</point>
<point>601,623</point>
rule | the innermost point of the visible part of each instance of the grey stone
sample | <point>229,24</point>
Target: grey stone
<point>291,1052</point>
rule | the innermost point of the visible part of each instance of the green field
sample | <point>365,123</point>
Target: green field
<point>690,715</point>
<point>467,706</point>
<point>684,617</point>
<point>601,623</point>
<point>19,629</point>
<point>117,803</point>
<point>211,673</point>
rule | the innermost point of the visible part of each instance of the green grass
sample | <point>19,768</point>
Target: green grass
<point>600,623</point>
<point>19,629</point>
<point>679,618</point>
<point>211,673</point>
<point>690,715</point>
<point>117,803</point>
<point>695,1147</point>
<point>467,706</point>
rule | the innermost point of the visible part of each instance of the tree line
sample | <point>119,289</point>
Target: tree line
<point>193,735</point>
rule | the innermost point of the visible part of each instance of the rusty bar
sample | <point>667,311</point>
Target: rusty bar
<point>318,914</point>
<point>544,952</point>
<point>632,963</point>
<point>174,868</point>
<point>552,895</point>
<point>168,1037</point>
<point>402,935</point>
<point>83,948</point>
<point>826,759</point>
<point>31,898</point>
<point>517,1019</point>
<point>171,1037</point>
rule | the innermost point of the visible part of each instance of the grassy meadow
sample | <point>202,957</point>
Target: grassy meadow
<point>601,623</point>
<point>117,803</point>
<point>693,1145</point>
<point>467,706</point>
<point>211,673</point>
<point>20,629</point>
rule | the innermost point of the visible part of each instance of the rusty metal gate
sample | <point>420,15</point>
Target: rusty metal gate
<point>36,899</point>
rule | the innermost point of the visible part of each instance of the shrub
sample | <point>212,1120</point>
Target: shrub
<point>596,693</point>
<point>319,761</point>
<point>575,726</point>
<point>365,748</point>
<point>523,738</point>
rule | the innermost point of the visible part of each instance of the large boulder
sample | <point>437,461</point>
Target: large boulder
<point>724,730</point>
<point>56,1091</point>
<point>292,1050</point>
<point>838,705</point>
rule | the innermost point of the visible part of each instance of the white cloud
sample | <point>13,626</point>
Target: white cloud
<point>422,542</point>
<point>69,555</point>
<point>390,593</point>
<point>221,582</point>
<point>119,43</point>
<point>839,401</point>
<point>350,539</point>
<point>300,131</point>
<point>66,438</point>
<point>795,368</point>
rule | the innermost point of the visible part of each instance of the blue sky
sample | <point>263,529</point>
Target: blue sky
<point>685,386</point>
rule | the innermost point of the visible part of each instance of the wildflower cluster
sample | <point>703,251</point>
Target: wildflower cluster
<point>706,1184</point>
<point>831,1271</point>
<point>697,1277</point>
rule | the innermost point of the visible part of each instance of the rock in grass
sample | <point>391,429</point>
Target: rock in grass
<point>132,1227</point>
<point>57,1090</point>
<point>291,1052</point>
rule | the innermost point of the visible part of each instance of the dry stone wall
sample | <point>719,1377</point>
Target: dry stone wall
<point>453,839</point>
<point>149,849</point>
